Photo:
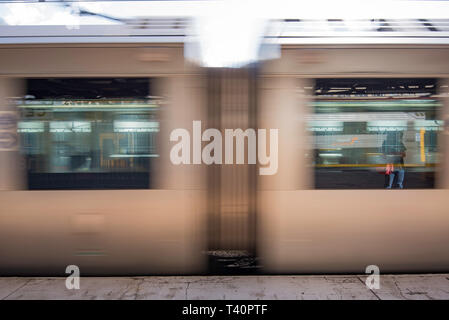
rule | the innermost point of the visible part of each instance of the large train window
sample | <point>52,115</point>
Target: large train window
<point>88,133</point>
<point>375,133</point>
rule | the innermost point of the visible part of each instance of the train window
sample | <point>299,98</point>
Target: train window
<point>374,133</point>
<point>90,133</point>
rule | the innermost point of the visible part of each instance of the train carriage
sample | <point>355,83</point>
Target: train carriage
<point>85,171</point>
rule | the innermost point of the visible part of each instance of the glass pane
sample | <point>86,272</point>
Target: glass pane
<point>375,133</point>
<point>76,135</point>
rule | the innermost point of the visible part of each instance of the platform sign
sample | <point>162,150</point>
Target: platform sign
<point>9,140</point>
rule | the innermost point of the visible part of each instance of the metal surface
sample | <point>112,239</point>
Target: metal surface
<point>374,31</point>
<point>145,30</point>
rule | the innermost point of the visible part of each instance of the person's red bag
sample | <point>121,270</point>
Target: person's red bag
<point>389,168</point>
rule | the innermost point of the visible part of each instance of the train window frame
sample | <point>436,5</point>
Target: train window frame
<point>116,117</point>
<point>420,88</point>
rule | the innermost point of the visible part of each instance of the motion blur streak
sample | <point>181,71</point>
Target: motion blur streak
<point>361,107</point>
<point>154,231</point>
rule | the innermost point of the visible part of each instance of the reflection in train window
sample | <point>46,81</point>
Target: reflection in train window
<point>88,133</point>
<point>374,133</point>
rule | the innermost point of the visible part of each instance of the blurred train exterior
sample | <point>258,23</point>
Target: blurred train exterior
<point>133,231</point>
<point>289,223</point>
<point>338,231</point>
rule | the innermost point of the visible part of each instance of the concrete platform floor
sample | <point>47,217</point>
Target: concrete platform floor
<point>335,287</point>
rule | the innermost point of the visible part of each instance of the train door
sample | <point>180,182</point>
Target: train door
<point>232,187</point>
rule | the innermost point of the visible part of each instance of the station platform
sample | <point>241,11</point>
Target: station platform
<point>294,287</point>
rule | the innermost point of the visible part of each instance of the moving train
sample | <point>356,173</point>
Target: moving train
<point>86,177</point>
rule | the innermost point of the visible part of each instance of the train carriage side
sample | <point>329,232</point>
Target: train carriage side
<point>86,180</point>
<point>327,210</point>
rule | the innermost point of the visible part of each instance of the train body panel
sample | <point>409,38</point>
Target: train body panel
<point>301,230</point>
<point>185,210</point>
<point>344,231</point>
<point>102,232</point>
